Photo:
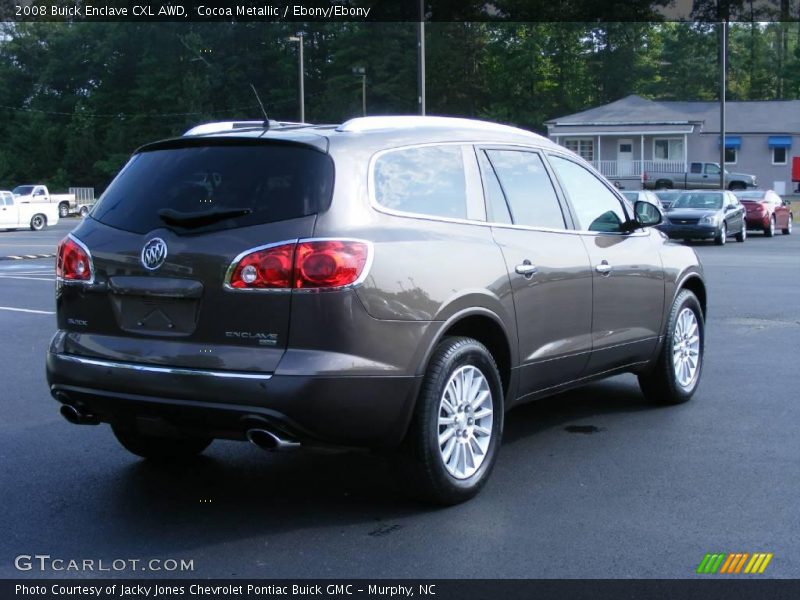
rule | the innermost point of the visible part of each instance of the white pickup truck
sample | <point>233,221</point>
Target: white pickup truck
<point>16,212</point>
<point>78,201</point>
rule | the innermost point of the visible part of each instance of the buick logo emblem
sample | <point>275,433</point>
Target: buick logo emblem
<point>154,254</point>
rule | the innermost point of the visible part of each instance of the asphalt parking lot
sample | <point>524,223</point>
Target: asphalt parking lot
<point>635,490</point>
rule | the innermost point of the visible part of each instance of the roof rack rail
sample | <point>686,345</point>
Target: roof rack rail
<point>227,126</point>
<point>361,124</point>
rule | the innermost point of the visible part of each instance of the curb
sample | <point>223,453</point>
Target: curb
<point>26,256</point>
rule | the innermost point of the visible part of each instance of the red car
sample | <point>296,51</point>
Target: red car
<point>766,211</point>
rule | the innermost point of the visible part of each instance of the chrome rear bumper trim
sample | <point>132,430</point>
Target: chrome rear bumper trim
<point>166,370</point>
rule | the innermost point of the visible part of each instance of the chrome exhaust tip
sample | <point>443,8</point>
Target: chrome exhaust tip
<point>77,417</point>
<point>270,441</point>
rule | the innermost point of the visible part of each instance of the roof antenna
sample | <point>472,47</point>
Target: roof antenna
<point>261,104</point>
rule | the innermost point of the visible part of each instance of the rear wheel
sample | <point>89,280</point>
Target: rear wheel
<point>736,186</point>
<point>769,230</point>
<point>676,373</point>
<point>742,235</point>
<point>38,222</point>
<point>455,432</point>
<point>84,211</point>
<point>722,235</point>
<point>788,229</point>
<point>63,210</point>
<point>159,448</point>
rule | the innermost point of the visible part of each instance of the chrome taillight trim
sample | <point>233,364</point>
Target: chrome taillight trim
<point>89,281</point>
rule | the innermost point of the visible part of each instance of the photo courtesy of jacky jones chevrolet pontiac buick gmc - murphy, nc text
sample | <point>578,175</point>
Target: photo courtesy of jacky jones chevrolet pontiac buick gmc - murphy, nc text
<point>389,283</point>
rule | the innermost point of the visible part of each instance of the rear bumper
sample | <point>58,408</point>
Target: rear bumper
<point>366,411</point>
<point>757,221</point>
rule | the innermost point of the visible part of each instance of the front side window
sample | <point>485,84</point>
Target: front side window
<point>428,180</point>
<point>712,169</point>
<point>779,156</point>
<point>596,207</point>
<point>583,147</point>
<point>668,149</point>
<point>528,189</point>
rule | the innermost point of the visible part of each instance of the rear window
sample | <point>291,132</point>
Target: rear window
<point>199,189</point>
<point>428,180</point>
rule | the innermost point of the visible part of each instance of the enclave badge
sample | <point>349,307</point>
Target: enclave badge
<point>154,254</point>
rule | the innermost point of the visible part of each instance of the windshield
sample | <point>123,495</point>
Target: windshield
<point>222,186</point>
<point>22,190</point>
<point>708,201</point>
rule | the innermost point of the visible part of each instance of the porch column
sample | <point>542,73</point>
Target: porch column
<point>597,158</point>
<point>685,153</point>
<point>641,159</point>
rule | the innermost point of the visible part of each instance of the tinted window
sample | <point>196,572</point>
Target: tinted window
<point>697,168</point>
<point>528,188</point>
<point>596,207</point>
<point>429,180</point>
<point>496,207</point>
<point>253,183</point>
<point>22,190</point>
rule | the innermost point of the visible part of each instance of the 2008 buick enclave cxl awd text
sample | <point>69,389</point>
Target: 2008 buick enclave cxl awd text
<point>393,282</point>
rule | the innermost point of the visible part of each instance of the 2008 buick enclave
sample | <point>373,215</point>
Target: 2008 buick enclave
<point>393,282</point>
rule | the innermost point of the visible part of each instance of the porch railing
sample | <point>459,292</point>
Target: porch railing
<point>633,168</point>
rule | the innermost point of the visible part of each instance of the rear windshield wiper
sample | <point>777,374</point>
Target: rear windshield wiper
<point>199,219</point>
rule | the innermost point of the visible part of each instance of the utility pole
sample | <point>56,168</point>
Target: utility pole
<point>299,39</point>
<point>723,56</point>
<point>421,57</point>
<point>362,72</point>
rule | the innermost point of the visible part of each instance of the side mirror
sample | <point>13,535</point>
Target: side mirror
<point>647,214</point>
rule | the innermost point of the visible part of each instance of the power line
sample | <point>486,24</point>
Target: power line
<point>122,115</point>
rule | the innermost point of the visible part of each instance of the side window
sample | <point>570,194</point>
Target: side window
<point>527,186</point>
<point>596,207</point>
<point>496,207</point>
<point>696,168</point>
<point>712,169</point>
<point>428,180</point>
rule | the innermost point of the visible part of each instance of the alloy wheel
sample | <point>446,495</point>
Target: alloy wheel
<point>686,347</point>
<point>465,422</point>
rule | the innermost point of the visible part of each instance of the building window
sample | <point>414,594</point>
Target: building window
<point>668,149</point>
<point>730,156</point>
<point>779,156</point>
<point>583,147</point>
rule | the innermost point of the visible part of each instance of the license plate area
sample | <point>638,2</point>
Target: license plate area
<point>161,316</point>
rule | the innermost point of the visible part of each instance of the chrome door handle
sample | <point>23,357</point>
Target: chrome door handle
<point>603,268</point>
<point>526,269</point>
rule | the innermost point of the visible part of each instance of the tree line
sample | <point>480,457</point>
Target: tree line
<point>77,98</point>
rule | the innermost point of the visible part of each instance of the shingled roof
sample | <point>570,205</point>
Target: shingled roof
<point>751,116</point>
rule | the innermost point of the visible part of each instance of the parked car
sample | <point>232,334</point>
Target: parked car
<point>705,215</point>
<point>16,213</point>
<point>78,201</point>
<point>667,197</point>
<point>701,175</point>
<point>643,195</point>
<point>452,269</point>
<point>766,211</point>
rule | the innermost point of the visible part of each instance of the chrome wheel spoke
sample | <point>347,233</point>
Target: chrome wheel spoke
<point>686,347</point>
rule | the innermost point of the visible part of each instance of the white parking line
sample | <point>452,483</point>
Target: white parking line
<point>28,278</point>
<point>27,310</point>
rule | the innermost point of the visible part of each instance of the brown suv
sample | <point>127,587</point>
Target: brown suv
<point>391,282</point>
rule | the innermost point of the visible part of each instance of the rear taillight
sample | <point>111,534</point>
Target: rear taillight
<point>306,264</point>
<point>73,261</point>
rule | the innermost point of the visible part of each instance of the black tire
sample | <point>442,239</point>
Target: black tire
<point>722,235</point>
<point>788,229</point>
<point>661,383</point>
<point>38,222</point>
<point>63,210</point>
<point>84,211</point>
<point>736,186</point>
<point>769,230</point>
<point>421,457</point>
<point>663,184</point>
<point>159,448</point>
<point>742,235</point>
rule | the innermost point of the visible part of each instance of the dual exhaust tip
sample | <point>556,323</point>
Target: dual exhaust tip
<point>270,441</point>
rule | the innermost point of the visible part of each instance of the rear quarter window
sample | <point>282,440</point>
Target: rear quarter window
<point>427,180</point>
<point>263,183</point>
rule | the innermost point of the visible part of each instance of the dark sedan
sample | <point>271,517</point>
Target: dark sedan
<point>667,197</point>
<point>705,215</point>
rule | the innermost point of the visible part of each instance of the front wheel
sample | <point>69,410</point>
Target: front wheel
<point>676,372</point>
<point>788,229</point>
<point>455,433</point>
<point>38,222</point>
<point>742,235</point>
<point>159,448</point>
<point>722,236</point>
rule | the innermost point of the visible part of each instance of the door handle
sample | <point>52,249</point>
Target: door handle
<point>603,268</point>
<point>526,269</point>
